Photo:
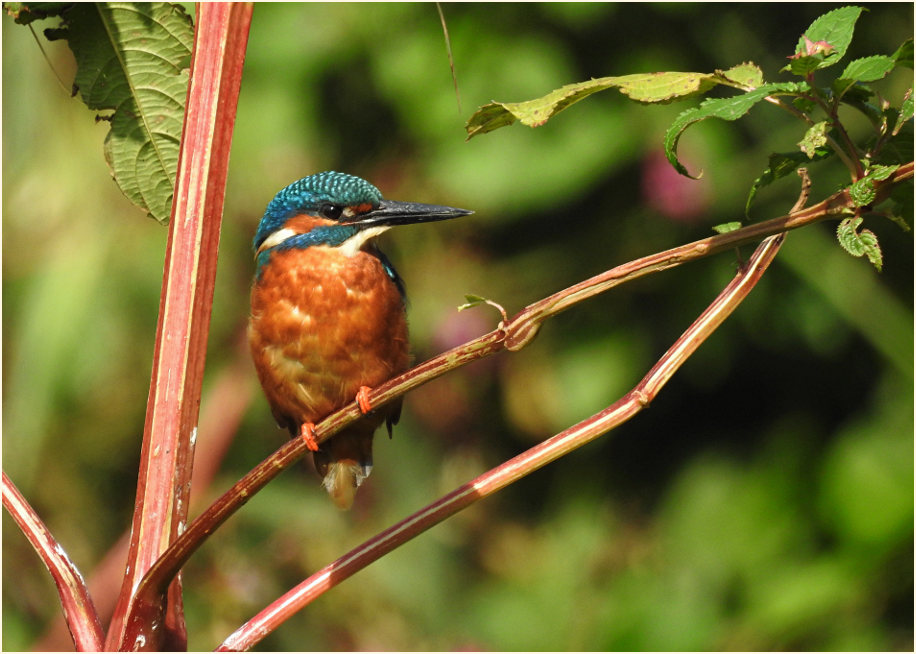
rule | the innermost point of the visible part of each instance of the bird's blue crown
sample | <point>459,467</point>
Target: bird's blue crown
<point>309,194</point>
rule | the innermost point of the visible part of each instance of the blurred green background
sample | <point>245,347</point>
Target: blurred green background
<point>763,502</point>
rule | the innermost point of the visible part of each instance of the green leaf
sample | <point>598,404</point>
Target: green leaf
<point>471,301</point>
<point>872,249</point>
<point>746,75</point>
<point>859,243</point>
<point>863,191</point>
<point>781,165</point>
<point>906,108</point>
<point>836,28</point>
<point>880,173</point>
<point>867,69</point>
<point>802,65</point>
<point>904,54</point>
<point>730,108</point>
<point>642,87</point>
<point>665,86</point>
<point>132,61</point>
<point>815,138</point>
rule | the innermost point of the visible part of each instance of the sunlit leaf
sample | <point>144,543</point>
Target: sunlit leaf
<point>664,87</point>
<point>641,87</point>
<point>859,243</point>
<point>866,69</point>
<point>834,28</point>
<point>747,75</point>
<point>863,191</point>
<point>815,137</point>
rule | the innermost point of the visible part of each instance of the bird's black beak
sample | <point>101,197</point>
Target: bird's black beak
<point>390,213</point>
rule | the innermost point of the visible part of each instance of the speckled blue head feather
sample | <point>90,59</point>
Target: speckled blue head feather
<point>309,193</point>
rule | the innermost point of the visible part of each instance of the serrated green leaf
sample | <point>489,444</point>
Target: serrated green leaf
<point>871,248</point>
<point>781,165</point>
<point>848,237</point>
<point>132,61</point>
<point>904,54</point>
<point>836,28</point>
<point>859,243</point>
<point>725,228</point>
<point>906,108</point>
<point>746,75</point>
<point>730,108</point>
<point>665,86</point>
<point>863,191</point>
<point>867,69</point>
<point>642,87</point>
<point>879,173</point>
<point>815,138</point>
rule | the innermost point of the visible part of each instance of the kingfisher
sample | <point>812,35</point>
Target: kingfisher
<point>328,319</point>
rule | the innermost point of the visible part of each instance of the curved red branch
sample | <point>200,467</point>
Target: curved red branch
<point>79,611</point>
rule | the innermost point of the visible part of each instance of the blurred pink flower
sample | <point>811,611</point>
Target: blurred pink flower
<point>674,196</point>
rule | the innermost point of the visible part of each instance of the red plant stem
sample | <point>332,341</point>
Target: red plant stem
<point>184,319</point>
<point>253,631</point>
<point>79,611</point>
<point>222,409</point>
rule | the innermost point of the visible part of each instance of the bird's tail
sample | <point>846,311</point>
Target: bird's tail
<point>345,461</point>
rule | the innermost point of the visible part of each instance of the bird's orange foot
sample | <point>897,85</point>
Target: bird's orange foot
<point>362,398</point>
<point>307,433</point>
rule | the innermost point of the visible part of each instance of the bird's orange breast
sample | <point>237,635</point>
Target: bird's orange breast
<point>322,325</point>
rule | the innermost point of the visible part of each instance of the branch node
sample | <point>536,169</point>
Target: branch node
<point>805,191</point>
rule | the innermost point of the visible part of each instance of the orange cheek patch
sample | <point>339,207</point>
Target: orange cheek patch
<point>362,208</point>
<point>304,224</point>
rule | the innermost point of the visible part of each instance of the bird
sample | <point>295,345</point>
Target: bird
<point>328,315</point>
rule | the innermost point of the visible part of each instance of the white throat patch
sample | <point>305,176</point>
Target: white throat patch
<point>355,243</point>
<point>276,238</point>
<point>349,248</point>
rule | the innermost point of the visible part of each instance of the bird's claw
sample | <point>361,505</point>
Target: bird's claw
<point>362,398</point>
<point>307,433</point>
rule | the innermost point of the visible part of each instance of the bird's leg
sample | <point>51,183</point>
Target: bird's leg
<point>362,398</point>
<point>307,433</point>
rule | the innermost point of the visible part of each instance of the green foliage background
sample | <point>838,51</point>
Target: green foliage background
<point>764,502</point>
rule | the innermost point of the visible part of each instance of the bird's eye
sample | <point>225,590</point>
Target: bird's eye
<point>331,211</point>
